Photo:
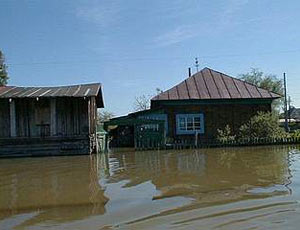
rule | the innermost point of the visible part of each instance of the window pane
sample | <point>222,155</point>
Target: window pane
<point>197,126</point>
<point>190,123</point>
<point>197,119</point>
<point>182,123</point>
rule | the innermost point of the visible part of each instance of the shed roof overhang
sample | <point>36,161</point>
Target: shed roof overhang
<point>74,91</point>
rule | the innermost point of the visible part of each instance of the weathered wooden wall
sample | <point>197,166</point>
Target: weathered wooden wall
<point>73,117</point>
<point>4,118</point>
<point>215,116</point>
<point>25,119</point>
<point>56,126</point>
<point>92,108</point>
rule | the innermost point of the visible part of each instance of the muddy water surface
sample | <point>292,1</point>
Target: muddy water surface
<point>232,188</point>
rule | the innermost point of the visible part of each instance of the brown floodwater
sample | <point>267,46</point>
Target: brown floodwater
<point>229,188</point>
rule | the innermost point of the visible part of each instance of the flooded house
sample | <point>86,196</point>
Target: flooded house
<point>37,121</point>
<point>194,109</point>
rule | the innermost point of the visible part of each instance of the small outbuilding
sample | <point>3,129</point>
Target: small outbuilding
<point>37,121</point>
<point>198,106</point>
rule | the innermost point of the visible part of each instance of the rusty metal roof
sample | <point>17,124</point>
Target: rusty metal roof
<point>211,84</point>
<point>86,90</point>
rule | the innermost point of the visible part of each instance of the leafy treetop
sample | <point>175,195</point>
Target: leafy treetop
<point>3,70</point>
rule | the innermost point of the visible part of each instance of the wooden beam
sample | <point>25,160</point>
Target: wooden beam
<point>12,109</point>
<point>53,117</point>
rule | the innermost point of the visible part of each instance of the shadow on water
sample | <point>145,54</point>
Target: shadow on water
<point>131,187</point>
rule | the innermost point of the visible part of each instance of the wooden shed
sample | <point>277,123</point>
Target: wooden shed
<point>49,120</point>
<point>205,102</point>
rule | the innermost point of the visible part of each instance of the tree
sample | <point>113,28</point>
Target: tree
<point>269,82</point>
<point>143,102</point>
<point>262,125</point>
<point>3,70</point>
<point>104,116</point>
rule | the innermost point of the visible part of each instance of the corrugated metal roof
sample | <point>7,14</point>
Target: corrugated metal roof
<point>86,90</point>
<point>211,84</point>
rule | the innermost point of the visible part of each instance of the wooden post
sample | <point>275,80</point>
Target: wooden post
<point>89,115</point>
<point>286,124</point>
<point>53,117</point>
<point>13,128</point>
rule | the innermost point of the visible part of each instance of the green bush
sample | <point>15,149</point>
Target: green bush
<point>295,134</point>
<point>262,125</point>
<point>225,135</point>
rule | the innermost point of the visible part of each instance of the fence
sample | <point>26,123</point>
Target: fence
<point>147,144</point>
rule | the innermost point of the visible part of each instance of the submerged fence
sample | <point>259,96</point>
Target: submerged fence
<point>148,144</point>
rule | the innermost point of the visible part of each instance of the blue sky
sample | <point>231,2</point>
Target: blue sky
<point>134,46</point>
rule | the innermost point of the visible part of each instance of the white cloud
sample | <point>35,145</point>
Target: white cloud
<point>177,35</point>
<point>102,13</point>
<point>230,10</point>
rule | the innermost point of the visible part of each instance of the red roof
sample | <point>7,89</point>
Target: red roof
<point>211,84</point>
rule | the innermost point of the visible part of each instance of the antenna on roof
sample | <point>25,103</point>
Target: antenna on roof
<point>197,64</point>
<point>190,72</point>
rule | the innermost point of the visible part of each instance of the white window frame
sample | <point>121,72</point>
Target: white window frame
<point>189,118</point>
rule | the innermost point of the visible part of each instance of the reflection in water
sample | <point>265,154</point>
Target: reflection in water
<point>209,175</point>
<point>136,187</point>
<point>58,189</point>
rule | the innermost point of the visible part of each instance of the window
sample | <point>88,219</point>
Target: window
<point>189,123</point>
<point>154,116</point>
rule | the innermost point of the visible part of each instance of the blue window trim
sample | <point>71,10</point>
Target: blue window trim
<point>189,115</point>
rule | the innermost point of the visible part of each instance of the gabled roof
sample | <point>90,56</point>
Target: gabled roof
<point>86,90</point>
<point>211,84</point>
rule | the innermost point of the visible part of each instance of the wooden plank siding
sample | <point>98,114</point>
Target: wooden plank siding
<point>74,118</point>
<point>4,118</point>
<point>215,117</point>
<point>71,117</point>
<point>49,120</point>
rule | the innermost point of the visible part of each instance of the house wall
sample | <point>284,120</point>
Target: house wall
<point>215,116</point>
<point>92,108</point>
<point>33,118</point>
<point>4,118</point>
<point>72,117</point>
<point>70,124</point>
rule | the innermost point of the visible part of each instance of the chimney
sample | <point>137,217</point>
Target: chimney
<point>190,72</point>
